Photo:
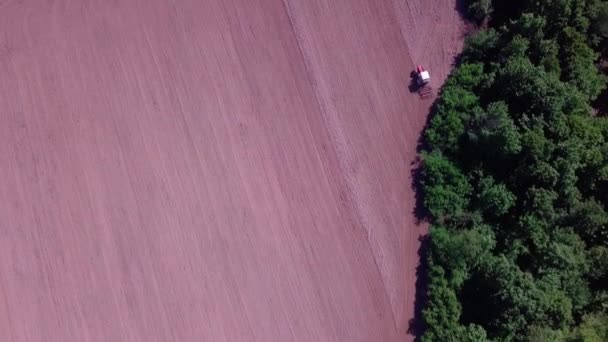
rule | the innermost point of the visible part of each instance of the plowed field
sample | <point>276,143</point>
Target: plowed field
<point>212,170</point>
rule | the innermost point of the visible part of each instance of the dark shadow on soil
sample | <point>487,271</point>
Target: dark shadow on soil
<point>413,87</point>
<point>601,104</point>
<point>461,8</point>
<point>416,172</point>
<point>416,325</point>
<point>420,212</point>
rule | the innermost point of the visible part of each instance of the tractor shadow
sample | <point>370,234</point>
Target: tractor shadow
<point>413,86</point>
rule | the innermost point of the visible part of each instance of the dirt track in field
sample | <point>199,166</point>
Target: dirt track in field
<point>219,170</point>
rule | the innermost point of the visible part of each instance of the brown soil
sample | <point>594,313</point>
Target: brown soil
<point>220,170</point>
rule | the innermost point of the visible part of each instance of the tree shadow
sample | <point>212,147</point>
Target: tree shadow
<point>457,61</point>
<point>416,325</point>
<point>461,8</point>
<point>601,103</point>
<point>416,172</point>
<point>420,212</point>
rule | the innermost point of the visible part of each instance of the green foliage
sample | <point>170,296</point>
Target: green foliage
<point>530,26</point>
<point>598,262</point>
<point>530,90</point>
<point>579,64</point>
<point>445,131</point>
<point>544,334</point>
<point>510,298</point>
<point>599,302</point>
<point>518,47</point>
<point>460,251</point>
<point>599,21</point>
<point>458,99</point>
<point>542,50</point>
<point>590,220</point>
<point>446,188</point>
<point>548,56</point>
<point>599,26</point>
<point>447,126</point>
<point>494,199</point>
<point>516,181</point>
<point>480,47</point>
<point>469,76</point>
<point>561,13</point>
<point>542,203</point>
<point>594,328</point>
<point>480,9</point>
<point>442,319</point>
<point>493,132</point>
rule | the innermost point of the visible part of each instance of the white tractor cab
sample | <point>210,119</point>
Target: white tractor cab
<point>423,76</point>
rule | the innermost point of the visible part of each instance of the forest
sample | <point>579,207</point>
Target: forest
<point>515,178</point>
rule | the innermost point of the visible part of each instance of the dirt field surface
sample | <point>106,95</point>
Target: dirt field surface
<point>216,170</point>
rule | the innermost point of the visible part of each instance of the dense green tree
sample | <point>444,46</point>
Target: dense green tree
<point>599,26</point>
<point>458,99</point>
<point>542,203</point>
<point>494,199</point>
<point>469,76</point>
<point>508,300</point>
<point>480,10</point>
<point>447,127</point>
<point>579,64</point>
<point>542,50</point>
<point>533,231</point>
<point>493,132</point>
<point>562,13</point>
<point>442,320</point>
<point>544,334</point>
<point>565,261</point>
<point>516,181</point>
<point>447,190</point>
<point>594,328</point>
<point>590,220</point>
<point>461,251</point>
<point>445,131</point>
<point>530,26</point>
<point>599,302</point>
<point>442,316</point>
<point>598,263</point>
<point>481,47</point>
<point>548,55</point>
<point>518,47</point>
<point>529,89</point>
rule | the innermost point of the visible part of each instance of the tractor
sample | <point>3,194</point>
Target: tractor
<point>422,76</point>
<point>422,81</point>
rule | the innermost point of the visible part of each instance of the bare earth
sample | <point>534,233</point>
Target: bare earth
<point>216,170</point>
